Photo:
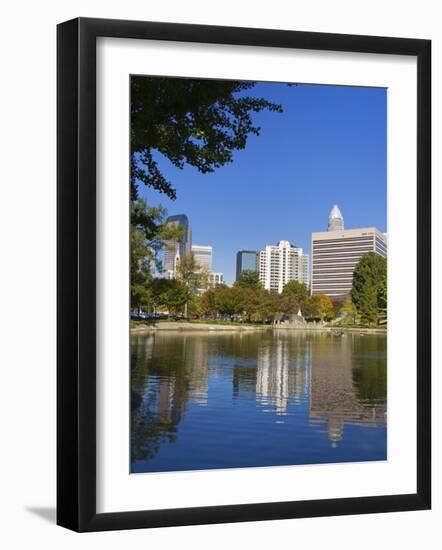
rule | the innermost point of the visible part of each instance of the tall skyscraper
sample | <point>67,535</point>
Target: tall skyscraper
<point>282,263</point>
<point>246,259</point>
<point>203,256</point>
<point>335,219</point>
<point>335,254</point>
<point>174,248</point>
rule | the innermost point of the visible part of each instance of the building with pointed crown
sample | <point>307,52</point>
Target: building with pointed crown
<point>337,251</point>
<point>335,219</point>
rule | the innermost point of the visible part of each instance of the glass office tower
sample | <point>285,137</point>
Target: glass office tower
<point>246,259</point>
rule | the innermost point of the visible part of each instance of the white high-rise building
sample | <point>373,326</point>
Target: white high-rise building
<point>280,264</point>
<point>216,278</point>
<point>203,256</point>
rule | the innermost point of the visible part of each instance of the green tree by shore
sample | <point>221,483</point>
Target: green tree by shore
<point>294,297</point>
<point>348,310</point>
<point>369,289</point>
<point>191,275</point>
<point>319,306</point>
<point>249,278</point>
<point>149,233</point>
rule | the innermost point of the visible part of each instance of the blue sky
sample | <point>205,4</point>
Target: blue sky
<point>327,147</point>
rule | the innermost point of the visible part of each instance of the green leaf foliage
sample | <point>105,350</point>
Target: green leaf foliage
<point>171,294</point>
<point>149,233</point>
<point>249,278</point>
<point>348,310</point>
<point>188,121</point>
<point>319,306</point>
<point>298,291</point>
<point>369,288</point>
<point>229,300</point>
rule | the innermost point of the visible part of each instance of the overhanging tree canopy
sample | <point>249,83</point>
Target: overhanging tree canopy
<point>189,121</point>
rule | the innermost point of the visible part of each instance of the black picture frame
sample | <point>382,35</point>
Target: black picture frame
<point>76,274</point>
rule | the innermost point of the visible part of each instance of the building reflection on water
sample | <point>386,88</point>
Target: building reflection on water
<point>282,371</point>
<point>333,380</point>
<point>340,391</point>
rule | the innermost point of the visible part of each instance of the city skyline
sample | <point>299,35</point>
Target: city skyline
<point>283,262</point>
<point>327,147</point>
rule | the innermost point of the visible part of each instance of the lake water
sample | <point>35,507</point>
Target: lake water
<point>204,400</point>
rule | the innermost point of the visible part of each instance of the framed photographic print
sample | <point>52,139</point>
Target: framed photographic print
<point>243,274</point>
